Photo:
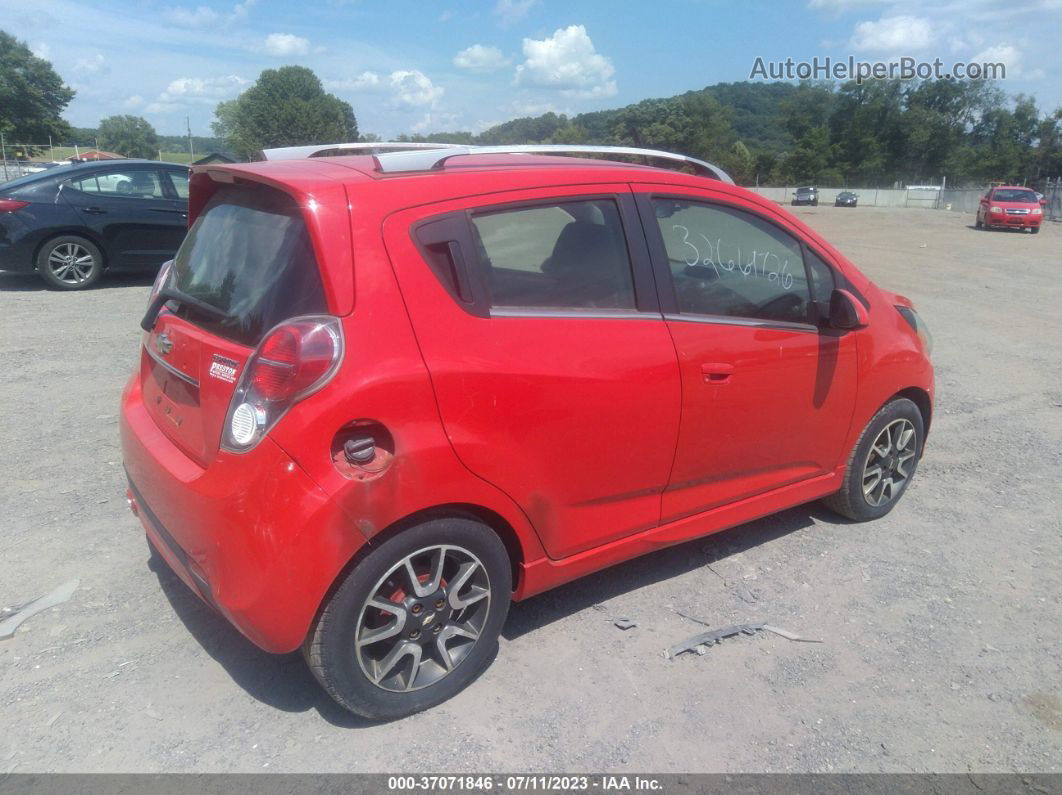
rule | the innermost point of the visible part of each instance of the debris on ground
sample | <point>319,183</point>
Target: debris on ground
<point>699,643</point>
<point>15,616</point>
<point>625,623</point>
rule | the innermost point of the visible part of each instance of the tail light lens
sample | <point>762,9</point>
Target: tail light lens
<point>11,205</point>
<point>293,361</point>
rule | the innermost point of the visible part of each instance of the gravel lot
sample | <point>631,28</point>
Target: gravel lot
<point>941,622</point>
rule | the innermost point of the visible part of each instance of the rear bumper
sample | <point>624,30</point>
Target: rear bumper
<point>252,534</point>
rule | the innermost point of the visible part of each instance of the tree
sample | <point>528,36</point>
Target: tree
<point>32,95</point>
<point>131,136</point>
<point>285,107</point>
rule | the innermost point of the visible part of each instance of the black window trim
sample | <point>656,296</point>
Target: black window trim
<point>646,302</point>
<point>665,281</point>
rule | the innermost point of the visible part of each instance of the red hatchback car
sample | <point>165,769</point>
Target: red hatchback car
<point>1010,207</point>
<point>380,397</point>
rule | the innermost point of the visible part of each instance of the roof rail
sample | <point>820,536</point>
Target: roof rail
<point>401,161</point>
<point>361,147</point>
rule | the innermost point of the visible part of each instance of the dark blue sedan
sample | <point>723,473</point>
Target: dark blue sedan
<point>70,223</point>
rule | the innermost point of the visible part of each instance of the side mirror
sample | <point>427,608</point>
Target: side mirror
<point>846,312</point>
<point>1043,202</point>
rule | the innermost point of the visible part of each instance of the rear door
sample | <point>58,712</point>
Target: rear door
<point>250,255</point>
<point>554,372</point>
<point>131,209</point>
<point>767,393</point>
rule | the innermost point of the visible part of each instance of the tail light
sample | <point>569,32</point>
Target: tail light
<point>293,361</point>
<point>11,205</point>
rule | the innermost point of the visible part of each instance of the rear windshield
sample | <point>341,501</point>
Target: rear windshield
<point>1015,196</point>
<point>248,254</point>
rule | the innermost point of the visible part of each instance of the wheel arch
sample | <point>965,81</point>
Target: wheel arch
<point>91,237</point>
<point>921,399</point>
<point>457,510</point>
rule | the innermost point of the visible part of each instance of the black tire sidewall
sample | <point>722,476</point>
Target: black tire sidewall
<point>340,672</point>
<point>50,279</point>
<point>900,408</point>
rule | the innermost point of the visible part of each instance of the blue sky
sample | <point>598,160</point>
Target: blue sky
<point>426,65</point>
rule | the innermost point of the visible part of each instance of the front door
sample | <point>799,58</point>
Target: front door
<point>767,394</point>
<point>554,371</point>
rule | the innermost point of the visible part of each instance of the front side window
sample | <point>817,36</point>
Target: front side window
<point>732,263</point>
<point>568,254</point>
<point>126,184</point>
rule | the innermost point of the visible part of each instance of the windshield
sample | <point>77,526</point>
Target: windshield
<point>249,255</point>
<point>1015,196</point>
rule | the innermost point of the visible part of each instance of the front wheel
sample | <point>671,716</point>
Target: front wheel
<point>70,262</point>
<point>882,464</point>
<point>1035,230</point>
<point>415,621</point>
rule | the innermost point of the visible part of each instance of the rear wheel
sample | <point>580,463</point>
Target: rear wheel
<point>415,621</point>
<point>882,464</point>
<point>70,262</point>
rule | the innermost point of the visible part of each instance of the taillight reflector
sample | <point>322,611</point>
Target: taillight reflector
<point>11,205</point>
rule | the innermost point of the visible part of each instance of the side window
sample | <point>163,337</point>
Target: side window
<point>128,184</point>
<point>569,254</point>
<point>179,179</point>
<point>732,263</point>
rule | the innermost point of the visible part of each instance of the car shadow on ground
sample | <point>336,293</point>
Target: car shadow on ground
<point>284,682</point>
<point>18,282</point>
<point>559,603</point>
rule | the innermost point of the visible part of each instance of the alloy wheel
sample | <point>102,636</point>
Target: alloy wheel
<point>888,464</point>
<point>422,618</point>
<point>71,263</point>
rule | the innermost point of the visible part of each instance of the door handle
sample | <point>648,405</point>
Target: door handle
<point>94,210</point>
<point>717,372</point>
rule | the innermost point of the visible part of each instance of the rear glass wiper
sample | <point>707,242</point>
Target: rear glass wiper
<point>167,294</point>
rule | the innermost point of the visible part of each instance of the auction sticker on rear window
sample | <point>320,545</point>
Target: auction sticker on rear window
<point>223,369</point>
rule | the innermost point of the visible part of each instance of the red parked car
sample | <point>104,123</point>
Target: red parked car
<point>380,397</point>
<point>1011,207</point>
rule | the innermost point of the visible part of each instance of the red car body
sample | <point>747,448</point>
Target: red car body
<point>1010,207</point>
<point>582,439</point>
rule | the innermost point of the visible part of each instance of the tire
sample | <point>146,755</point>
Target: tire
<point>1035,230</point>
<point>70,262</point>
<point>978,224</point>
<point>897,417</point>
<point>385,679</point>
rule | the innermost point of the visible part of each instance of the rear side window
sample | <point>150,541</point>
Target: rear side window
<point>126,184</point>
<point>731,263</point>
<point>248,254</point>
<point>563,255</point>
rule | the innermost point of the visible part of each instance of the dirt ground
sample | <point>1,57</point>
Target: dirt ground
<point>941,623</point>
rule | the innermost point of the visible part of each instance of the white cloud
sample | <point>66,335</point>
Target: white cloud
<point>509,12</point>
<point>42,50</point>
<point>283,44</point>
<point>133,102</point>
<point>1011,56</point>
<point>366,81</point>
<point>893,35</point>
<point>838,6</point>
<point>205,16</point>
<point>414,88</point>
<point>93,65</point>
<point>568,62</point>
<point>186,91</point>
<point>481,58</point>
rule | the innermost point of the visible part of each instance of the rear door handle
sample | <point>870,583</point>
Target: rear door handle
<point>717,372</point>
<point>94,210</point>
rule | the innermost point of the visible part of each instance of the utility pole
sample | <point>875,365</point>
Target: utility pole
<point>51,149</point>
<point>3,152</point>
<point>191,151</point>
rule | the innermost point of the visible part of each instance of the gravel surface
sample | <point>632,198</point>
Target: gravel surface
<point>941,622</point>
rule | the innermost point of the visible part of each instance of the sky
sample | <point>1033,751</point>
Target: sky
<point>409,66</point>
